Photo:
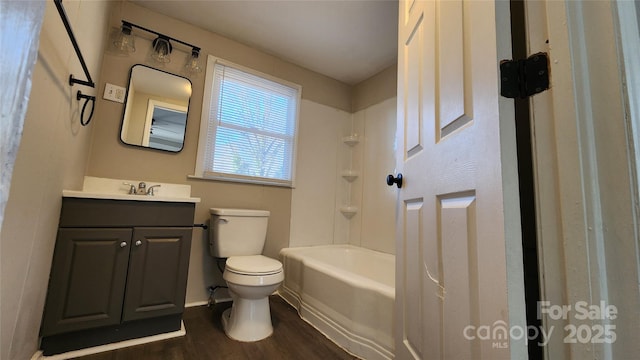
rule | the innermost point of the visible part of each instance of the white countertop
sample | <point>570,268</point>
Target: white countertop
<point>90,195</point>
<point>114,189</point>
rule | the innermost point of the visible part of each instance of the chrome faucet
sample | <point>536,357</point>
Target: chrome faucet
<point>132,188</point>
<point>141,190</point>
<point>150,190</point>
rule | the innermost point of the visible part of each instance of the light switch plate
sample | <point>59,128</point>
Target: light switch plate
<point>114,93</point>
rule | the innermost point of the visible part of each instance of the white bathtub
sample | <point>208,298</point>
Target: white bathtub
<point>346,292</point>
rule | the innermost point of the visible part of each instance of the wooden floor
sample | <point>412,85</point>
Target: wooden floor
<point>292,339</point>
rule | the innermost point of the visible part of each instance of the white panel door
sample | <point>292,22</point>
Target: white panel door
<point>457,206</point>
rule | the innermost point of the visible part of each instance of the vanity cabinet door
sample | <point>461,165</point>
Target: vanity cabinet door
<point>158,269</point>
<point>87,280</point>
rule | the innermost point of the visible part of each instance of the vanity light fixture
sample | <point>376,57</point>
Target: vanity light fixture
<point>123,42</point>
<point>161,47</point>
<point>193,66</point>
<point>161,50</point>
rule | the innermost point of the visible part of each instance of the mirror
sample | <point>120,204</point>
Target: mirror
<point>156,108</point>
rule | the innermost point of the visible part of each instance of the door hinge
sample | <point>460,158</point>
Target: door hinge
<point>523,78</point>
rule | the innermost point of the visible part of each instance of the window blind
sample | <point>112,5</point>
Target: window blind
<point>252,122</point>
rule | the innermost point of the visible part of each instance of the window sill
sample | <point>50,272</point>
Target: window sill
<point>241,181</point>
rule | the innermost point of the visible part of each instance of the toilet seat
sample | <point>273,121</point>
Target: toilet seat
<point>253,265</point>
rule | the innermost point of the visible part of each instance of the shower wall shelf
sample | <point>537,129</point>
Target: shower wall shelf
<point>351,140</point>
<point>350,175</point>
<point>348,211</point>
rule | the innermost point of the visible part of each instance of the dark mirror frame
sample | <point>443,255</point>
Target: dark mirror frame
<point>165,105</point>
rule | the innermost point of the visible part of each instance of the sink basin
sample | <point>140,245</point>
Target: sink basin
<point>114,189</point>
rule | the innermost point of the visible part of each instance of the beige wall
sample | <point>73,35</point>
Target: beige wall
<point>51,157</point>
<point>376,89</point>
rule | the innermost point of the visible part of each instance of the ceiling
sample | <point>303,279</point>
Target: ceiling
<point>348,40</point>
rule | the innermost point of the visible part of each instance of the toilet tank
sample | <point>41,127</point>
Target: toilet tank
<point>236,232</point>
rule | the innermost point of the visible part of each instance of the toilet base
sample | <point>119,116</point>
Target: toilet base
<point>248,320</point>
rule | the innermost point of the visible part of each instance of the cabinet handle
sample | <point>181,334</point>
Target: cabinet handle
<point>123,244</point>
<point>138,243</point>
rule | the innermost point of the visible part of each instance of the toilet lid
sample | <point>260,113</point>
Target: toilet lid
<point>253,265</point>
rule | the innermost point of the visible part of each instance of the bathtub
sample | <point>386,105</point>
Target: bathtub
<point>346,292</point>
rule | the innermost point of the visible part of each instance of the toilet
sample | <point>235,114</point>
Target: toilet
<point>238,235</point>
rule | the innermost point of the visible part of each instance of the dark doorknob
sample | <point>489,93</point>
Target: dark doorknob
<point>394,180</point>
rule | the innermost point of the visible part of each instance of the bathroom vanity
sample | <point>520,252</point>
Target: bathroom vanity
<point>119,271</point>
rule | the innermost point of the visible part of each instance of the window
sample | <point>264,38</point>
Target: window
<point>248,126</point>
